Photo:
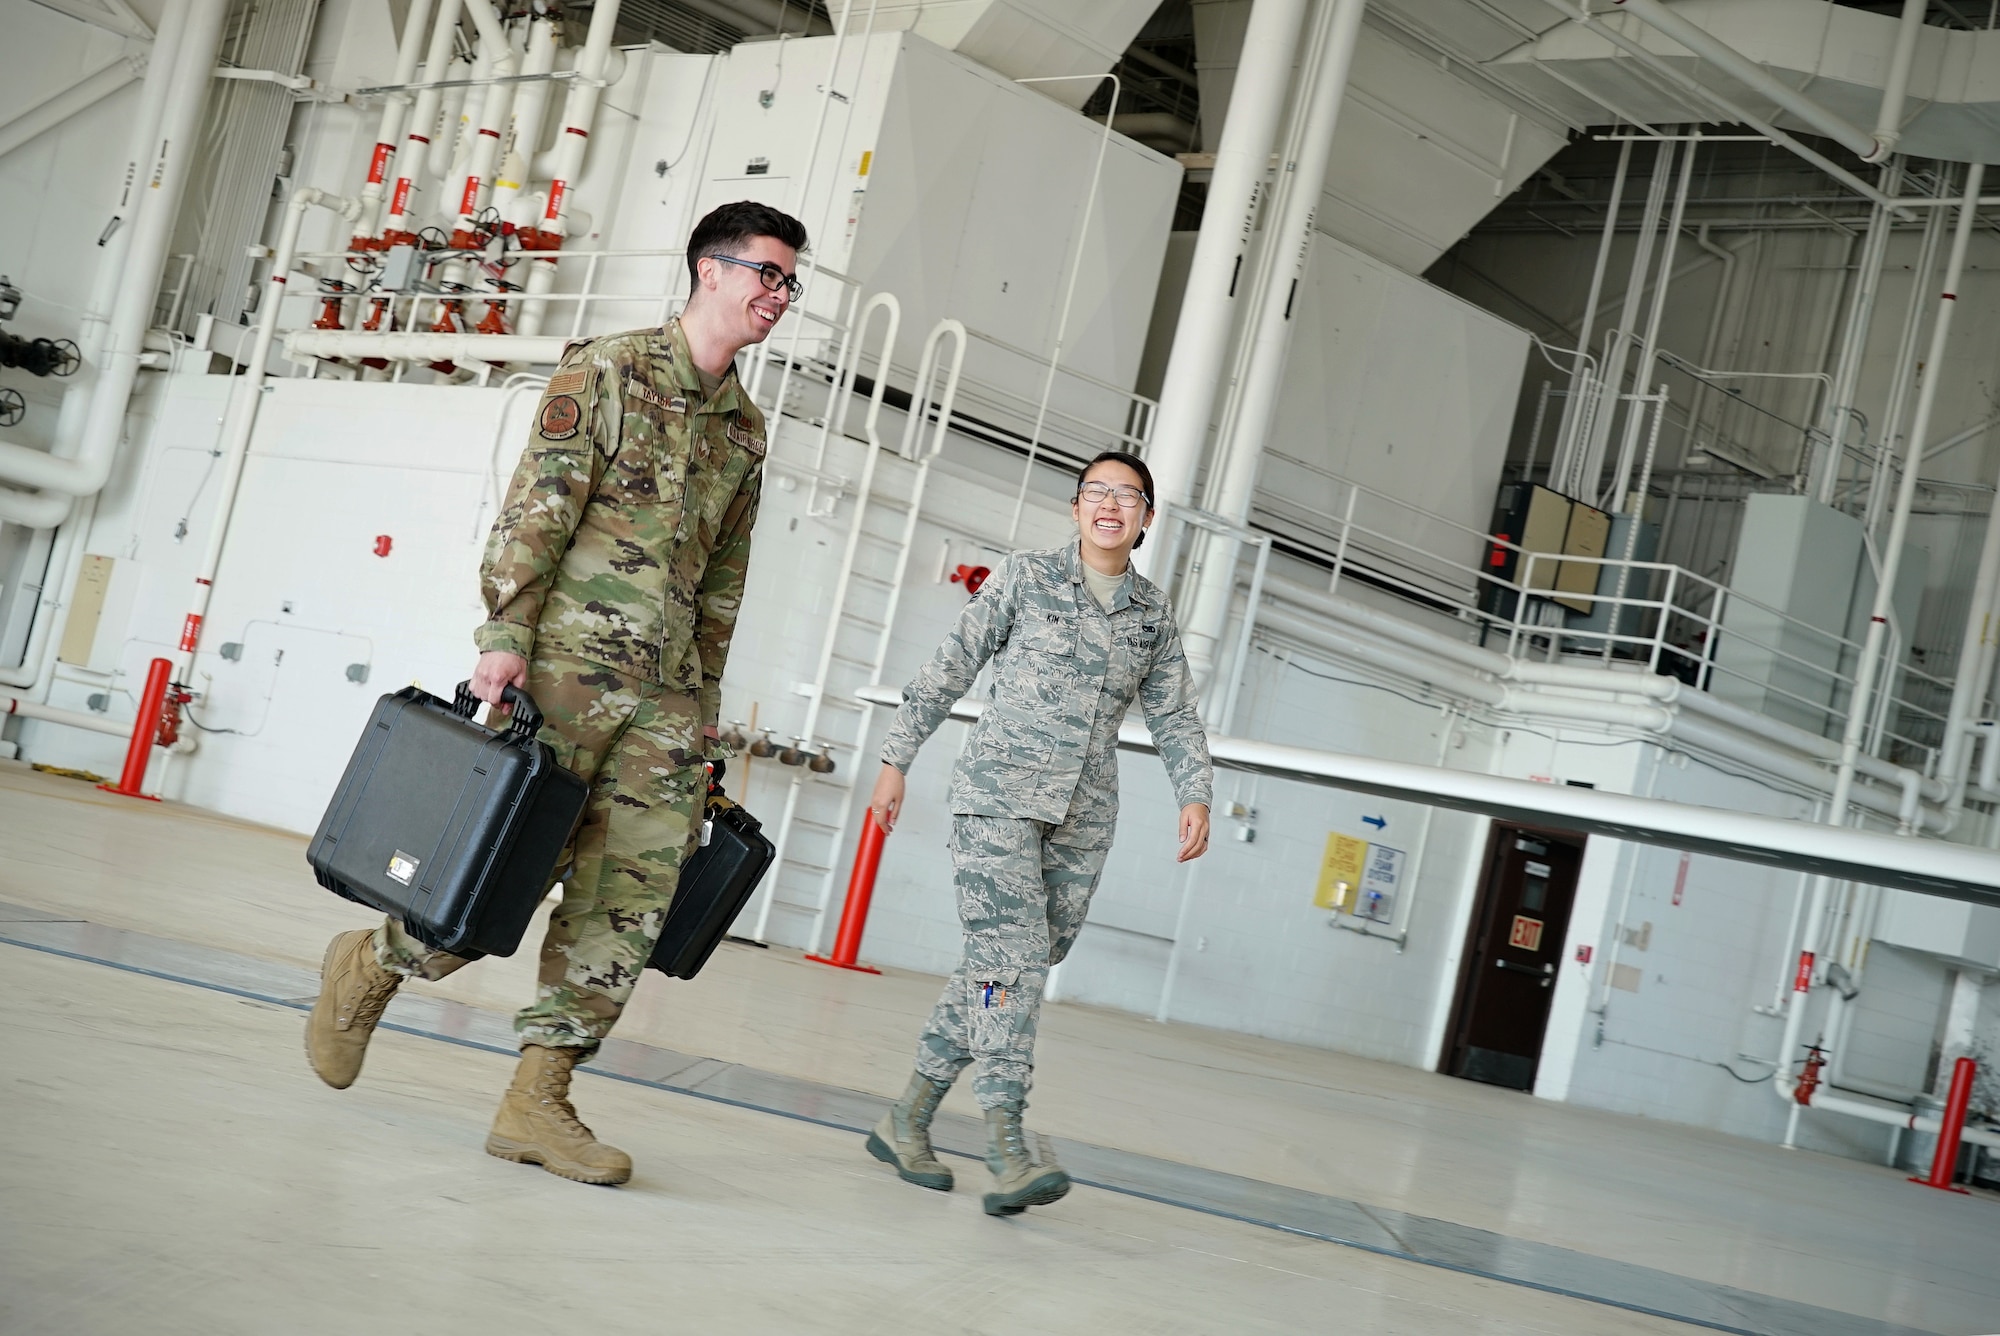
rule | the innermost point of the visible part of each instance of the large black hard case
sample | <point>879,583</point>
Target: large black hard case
<point>716,882</point>
<point>450,826</point>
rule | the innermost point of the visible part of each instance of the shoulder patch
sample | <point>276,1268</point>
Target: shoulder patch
<point>573,381</point>
<point>559,419</point>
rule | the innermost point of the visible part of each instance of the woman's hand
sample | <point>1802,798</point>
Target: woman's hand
<point>886,803</point>
<point>1194,831</point>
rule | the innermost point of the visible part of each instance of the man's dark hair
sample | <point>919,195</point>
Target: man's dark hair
<point>728,228</point>
<point>1130,461</point>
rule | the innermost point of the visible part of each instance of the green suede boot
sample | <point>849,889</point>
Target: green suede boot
<point>1019,1179</point>
<point>903,1137</point>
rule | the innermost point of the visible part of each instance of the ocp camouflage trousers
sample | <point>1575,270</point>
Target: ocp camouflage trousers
<point>637,743</point>
<point>1024,888</point>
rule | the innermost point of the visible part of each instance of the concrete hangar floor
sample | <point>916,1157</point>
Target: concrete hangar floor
<point>173,1166</point>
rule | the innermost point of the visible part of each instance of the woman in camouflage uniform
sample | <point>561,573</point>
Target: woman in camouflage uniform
<point>1075,635</point>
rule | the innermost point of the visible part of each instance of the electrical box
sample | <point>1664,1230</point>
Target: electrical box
<point>1536,520</point>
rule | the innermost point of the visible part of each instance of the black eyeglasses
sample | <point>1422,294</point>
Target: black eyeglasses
<point>773,277</point>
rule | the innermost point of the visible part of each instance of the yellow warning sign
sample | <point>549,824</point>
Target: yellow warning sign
<point>1340,871</point>
<point>867,161</point>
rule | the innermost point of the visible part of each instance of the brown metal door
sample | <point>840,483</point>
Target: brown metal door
<point>1516,945</point>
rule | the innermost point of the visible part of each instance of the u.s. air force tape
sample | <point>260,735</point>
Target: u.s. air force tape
<point>560,418</point>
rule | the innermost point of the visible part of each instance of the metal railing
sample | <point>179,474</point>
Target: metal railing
<point>1668,619</point>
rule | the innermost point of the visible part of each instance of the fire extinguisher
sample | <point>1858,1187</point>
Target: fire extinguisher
<point>1809,1074</point>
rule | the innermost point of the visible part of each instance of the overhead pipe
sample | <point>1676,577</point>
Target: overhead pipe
<point>1562,461</point>
<point>1757,79</point>
<point>491,123</point>
<point>1208,305</point>
<point>579,117</point>
<point>1854,338</point>
<point>1649,349</point>
<point>1619,347</point>
<point>524,137</point>
<point>1889,118</point>
<point>1907,367</point>
<point>93,723</point>
<point>61,107</point>
<point>410,164</point>
<point>84,470</point>
<point>416,23</point>
<point>1860,705</point>
<point>1732,111</point>
<point>1334,31</point>
<point>240,417</point>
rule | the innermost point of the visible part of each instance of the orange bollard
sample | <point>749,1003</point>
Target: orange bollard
<point>152,706</point>
<point>1945,1163</point>
<point>860,890</point>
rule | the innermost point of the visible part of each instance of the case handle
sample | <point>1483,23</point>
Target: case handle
<point>527,716</point>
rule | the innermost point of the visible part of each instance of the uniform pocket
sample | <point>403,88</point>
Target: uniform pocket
<point>1048,633</point>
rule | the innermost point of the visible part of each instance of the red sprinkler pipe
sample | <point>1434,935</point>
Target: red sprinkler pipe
<point>1945,1163</point>
<point>860,890</point>
<point>152,707</point>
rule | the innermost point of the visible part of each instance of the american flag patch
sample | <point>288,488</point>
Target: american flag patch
<point>572,381</point>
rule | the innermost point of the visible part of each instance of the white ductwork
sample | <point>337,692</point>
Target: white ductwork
<point>1889,118</point>
<point>1756,78</point>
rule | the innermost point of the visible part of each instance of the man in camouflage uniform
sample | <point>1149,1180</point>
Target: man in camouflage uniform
<point>1035,801</point>
<point>612,580</point>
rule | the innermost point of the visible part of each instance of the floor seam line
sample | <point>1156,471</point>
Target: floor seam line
<point>1715,1291</point>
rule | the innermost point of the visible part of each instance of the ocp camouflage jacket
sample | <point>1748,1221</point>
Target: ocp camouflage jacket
<point>1064,673</point>
<point>625,534</point>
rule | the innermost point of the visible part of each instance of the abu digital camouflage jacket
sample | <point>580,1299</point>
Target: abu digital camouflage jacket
<point>626,530</point>
<point>1064,673</point>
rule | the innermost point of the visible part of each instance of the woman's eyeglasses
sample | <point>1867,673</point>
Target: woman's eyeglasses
<point>1093,494</point>
<point>773,277</point>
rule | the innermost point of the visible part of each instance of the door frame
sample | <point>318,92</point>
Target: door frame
<point>1477,924</point>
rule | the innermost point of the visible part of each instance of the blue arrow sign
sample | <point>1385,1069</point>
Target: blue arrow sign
<point>1379,822</point>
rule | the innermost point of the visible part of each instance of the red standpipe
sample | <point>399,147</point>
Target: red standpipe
<point>860,890</point>
<point>1945,1163</point>
<point>152,708</point>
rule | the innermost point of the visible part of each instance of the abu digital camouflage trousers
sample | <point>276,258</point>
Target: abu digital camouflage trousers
<point>638,744</point>
<point>1023,890</point>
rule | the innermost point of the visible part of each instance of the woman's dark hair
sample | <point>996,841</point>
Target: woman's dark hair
<point>1138,466</point>
<point>728,228</point>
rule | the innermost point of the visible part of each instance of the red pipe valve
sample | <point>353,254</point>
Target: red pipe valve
<point>1809,1074</point>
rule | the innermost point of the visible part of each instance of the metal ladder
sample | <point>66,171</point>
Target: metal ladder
<point>818,808</point>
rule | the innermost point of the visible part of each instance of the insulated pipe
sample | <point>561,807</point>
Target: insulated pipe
<point>423,121</point>
<point>190,34</point>
<point>415,24</point>
<point>240,418</point>
<point>1906,368</point>
<point>79,97</point>
<point>1860,705</point>
<point>1889,118</point>
<point>579,116</point>
<point>1758,79</point>
<point>1969,682</point>
<point>95,723</point>
<point>306,345</point>
<point>531,103</point>
<point>493,112</point>
<point>1281,266</point>
<point>1207,314</point>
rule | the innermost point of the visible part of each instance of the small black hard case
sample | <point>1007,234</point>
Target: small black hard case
<point>716,882</point>
<point>449,825</point>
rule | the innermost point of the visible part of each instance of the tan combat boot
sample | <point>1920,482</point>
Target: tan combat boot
<point>1019,1179</point>
<point>903,1137</point>
<point>353,990</point>
<point>538,1125</point>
